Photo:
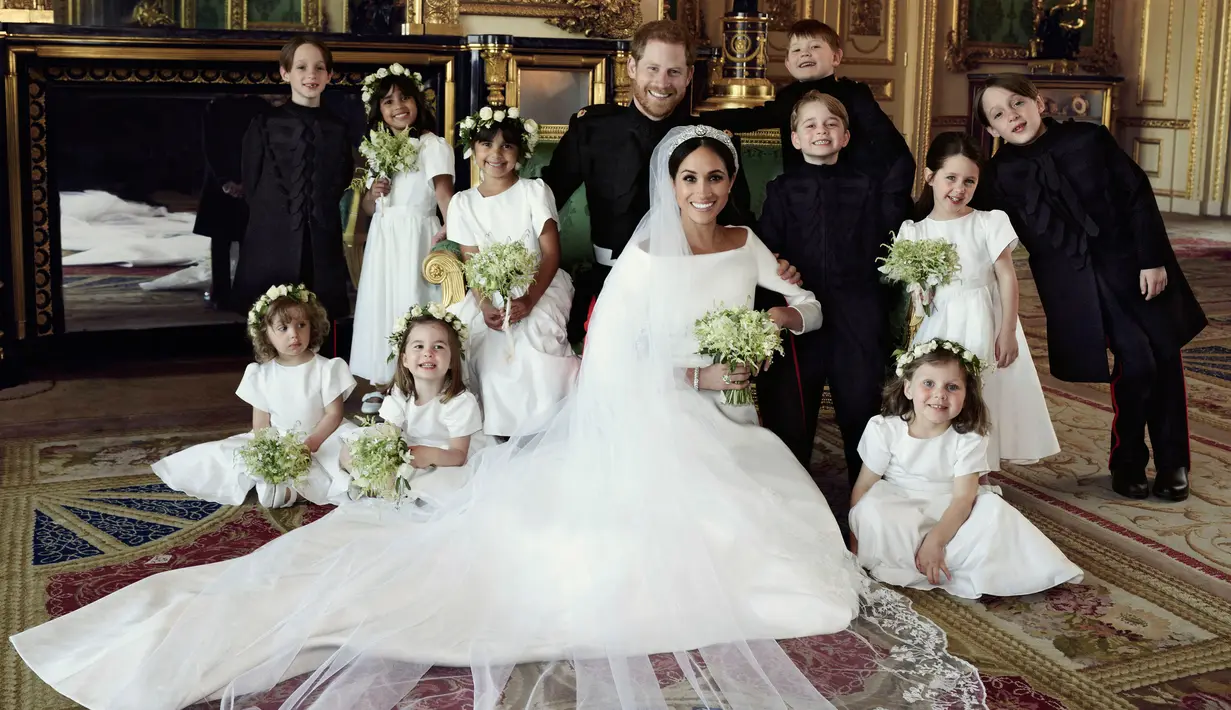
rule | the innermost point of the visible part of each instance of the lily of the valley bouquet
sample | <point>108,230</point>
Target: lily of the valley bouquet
<point>387,154</point>
<point>923,265</point>
<point>502,271</point>
<point>738,336</point>
<point>276,457</point>
<point>380,462</point>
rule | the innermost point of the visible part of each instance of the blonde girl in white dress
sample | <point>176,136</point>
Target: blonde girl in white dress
<point>521,374</point>
<point>979,307</point>
<point>290,388</point>
<point>439,419</point>
<point>919,517</point>
<point>404,224</point>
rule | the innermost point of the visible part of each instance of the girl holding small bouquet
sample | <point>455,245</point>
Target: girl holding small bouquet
<point>410,175</point>
<point>976,297</point>
<point>518,349</point>
<point>439,420</point>
<point>292,390</point>
<point>919,517</point>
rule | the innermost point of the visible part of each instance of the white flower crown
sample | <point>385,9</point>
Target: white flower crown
<point>257,314</point>
<point>488,117</point>
<point>968,358</point>
<point>435,310</point>
<point>371,81</point>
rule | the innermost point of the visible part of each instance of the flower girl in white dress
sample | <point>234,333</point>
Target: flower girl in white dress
<point>290,388</point>
<point>439,419</point>
<point>979,307</point>
<point>523,373</point>
<point>404,224</point>
<point>919,517</point>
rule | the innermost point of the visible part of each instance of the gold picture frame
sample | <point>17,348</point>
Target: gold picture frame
<point>311,16</point>
<point>963,54</point>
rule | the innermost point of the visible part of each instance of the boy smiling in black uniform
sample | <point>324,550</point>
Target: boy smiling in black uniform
<point>828,220</point>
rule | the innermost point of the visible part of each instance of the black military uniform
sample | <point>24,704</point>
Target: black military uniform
<point>222,217</point>
<point>607,148</point>
<point>297,162</point>
<point>829,222</point>
<point>1087,215</point>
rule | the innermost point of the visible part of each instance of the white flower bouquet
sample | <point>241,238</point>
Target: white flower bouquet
<point>387,154</point>
<point>923,265</point>
<point>380,462</point>
<point>276,457</point>
<point>738,336</point>
<point>502,271</point>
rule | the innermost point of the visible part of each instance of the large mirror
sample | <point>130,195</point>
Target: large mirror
<point>151,209</point>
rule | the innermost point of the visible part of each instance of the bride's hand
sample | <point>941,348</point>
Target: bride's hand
<point>721,376</point>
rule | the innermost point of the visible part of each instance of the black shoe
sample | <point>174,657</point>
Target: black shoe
<point>1172,484</point>
<point>1130,483</point>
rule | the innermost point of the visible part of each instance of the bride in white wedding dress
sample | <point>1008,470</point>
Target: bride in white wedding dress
<point>643,552</point>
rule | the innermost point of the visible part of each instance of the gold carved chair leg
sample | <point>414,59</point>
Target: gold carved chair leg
<point>443,268</point>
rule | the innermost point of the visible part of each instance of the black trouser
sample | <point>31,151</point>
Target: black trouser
<point>586,288</point>
<point>1147,391</point>
<point>789,393</point>
<point>220,272</point>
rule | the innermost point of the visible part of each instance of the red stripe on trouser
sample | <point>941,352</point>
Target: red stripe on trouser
<point>799,385</point>
<point>1188,447</point>
<point>1117,373</point>
<point>586,327</point>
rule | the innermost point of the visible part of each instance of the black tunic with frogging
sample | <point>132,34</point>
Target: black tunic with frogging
<point>296,166</point>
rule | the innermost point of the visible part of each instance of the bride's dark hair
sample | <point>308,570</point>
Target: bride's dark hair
<point>687,148</point>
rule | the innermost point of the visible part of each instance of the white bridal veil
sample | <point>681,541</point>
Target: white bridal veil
<point>594,565</point>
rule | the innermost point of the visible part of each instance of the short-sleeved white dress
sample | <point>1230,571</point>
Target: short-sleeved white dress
<point>295,398</point>
<point>399,239</point>
<point>996,551</point>
<point>968,311</point>
<point>434,423</point>
<point>520,376</point>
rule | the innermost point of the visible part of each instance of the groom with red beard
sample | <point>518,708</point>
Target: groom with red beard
<point>607,148</point>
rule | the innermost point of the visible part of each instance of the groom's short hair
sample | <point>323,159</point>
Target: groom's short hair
<point>667,31</point>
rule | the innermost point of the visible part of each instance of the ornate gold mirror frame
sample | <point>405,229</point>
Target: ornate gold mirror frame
<point>963,54</point>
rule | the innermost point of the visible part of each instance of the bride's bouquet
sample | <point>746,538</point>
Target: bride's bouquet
<point>276,458</point>
<point>738,336</point>
<point>923,265</point>
<point>501,270</point>
<point>380,462</point>
<point>387,154</point>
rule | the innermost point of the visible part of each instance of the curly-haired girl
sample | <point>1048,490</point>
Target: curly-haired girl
<point>290,388</point>
<point>919,517</point>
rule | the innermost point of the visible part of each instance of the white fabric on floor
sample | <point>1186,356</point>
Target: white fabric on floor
<point>103,230</point>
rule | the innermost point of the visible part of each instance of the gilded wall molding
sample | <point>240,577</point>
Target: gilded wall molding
<point>1179,124</point>
<point>1222,116</point>
<point>496,73</point>
<point>1195,136</point>
<point>1158,159</point>
<point>1143,62</point>
<point>963,54</point>
<point>886,38</point>
<point>949,122</point>
<point>924,77</point>
<point>882,88</point>
<point>517,8</point>
<point>617,19</point>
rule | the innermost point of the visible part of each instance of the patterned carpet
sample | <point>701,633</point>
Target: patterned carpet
<point>1149,627</point>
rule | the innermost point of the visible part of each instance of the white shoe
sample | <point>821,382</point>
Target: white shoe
<point>372,402</point>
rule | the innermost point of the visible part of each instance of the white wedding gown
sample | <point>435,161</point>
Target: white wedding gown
<point>642,521</point>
